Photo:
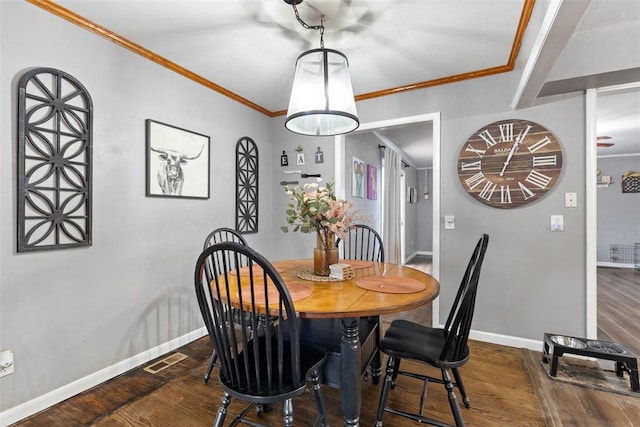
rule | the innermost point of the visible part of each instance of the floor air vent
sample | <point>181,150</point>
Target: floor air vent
<point>163,364</point>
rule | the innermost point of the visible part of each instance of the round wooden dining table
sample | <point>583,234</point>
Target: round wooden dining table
<point>376,289</point>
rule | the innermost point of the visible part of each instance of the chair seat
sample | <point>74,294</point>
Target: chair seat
<point>311,358</point>
<point>408,340</point>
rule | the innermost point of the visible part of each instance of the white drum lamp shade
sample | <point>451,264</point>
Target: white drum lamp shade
<point>322,101</point>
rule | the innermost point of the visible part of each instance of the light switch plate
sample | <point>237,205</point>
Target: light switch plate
<point>449,222</point>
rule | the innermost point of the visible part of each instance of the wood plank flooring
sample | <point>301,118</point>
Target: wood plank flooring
<point>619,307</point>
<point>569,405</point>
<point>178,397</point>
<point>502,391</point>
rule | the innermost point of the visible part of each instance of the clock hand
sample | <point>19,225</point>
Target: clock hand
<point>519,139</point>
<point>510,155</point>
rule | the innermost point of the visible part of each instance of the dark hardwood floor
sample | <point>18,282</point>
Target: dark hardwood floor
<point>619,307</point>
<point>502,389</point>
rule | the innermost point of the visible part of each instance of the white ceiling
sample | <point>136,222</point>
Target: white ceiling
<point>248,48</point>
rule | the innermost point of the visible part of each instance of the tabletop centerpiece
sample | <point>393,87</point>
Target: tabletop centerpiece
<point>315,209</point>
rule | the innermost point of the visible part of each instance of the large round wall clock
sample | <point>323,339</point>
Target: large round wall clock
<point>510,163</point>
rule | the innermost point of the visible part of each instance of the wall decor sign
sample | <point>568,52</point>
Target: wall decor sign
<point>284,160</point>
<point>177,162</point>
<point>319,156</point>
<point>299,155</point>
<point>55,126</point>
<point>358,177</point>
<point>631,182</point>
<point>372,182</point>
<point>246,185</point>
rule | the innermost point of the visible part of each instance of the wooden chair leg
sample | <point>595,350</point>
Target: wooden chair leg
<point>386,385</point>
<point>463,392</point>
<point>222,412</point>
<point>453,400</point>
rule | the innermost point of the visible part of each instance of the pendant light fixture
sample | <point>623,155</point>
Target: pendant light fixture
<point>322,101</point>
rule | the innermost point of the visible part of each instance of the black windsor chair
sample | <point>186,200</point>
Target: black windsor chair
<point>263,361</point>
<point>222,234</point>
<point>361,242</point>
<point>445,348</point>
<point>364,243</point>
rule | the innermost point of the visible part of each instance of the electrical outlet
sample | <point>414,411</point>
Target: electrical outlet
<point>449,222</point>
<point>6,362</point>
<point>557,223</point>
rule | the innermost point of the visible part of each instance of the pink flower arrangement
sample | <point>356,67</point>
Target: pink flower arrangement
<point>316,209</point>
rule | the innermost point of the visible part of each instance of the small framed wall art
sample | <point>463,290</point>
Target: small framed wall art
<point>357,177</point>
<point>372,182</point>
<point>177,162</point>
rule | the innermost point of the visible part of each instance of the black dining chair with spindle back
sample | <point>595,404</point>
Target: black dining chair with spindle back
<point>224,234</point>
<point>362,242</point>
<point>444,348</point>
<point>219,235</point>
<point>262,361</point>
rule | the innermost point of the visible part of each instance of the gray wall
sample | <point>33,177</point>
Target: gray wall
<point>68,314</point>
<point>411,220</point>
<point>533,279</point>
<point>364,147</point>
<point>424,230</point>
<point>618,212</point>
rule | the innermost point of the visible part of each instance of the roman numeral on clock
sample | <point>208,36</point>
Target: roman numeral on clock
<point>505,194</point>
<point>525,191</point>
<point>506,132</point>
<point>550,160</point>
<point>470,166</point>
<point>470,148</point>
<point>488,138</point>
<point>538,179</point>
<point>487,191</point>
<point>538,145</point>
<point>474,180</point>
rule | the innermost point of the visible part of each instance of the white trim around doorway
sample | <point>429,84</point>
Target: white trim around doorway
<point>340,182</point>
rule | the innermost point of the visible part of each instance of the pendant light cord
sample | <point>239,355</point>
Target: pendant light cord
<point>311,27</point>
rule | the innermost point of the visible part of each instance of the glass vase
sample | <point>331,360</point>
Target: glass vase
<point>324,254</point>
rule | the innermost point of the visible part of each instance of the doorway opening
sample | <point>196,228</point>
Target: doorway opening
<point>341,162</point>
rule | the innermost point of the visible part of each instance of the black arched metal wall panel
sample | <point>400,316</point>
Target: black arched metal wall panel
<point>246,186</point>
<point>55,114</point>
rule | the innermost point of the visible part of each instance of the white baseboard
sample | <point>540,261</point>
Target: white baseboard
<point>614,265</point>
<point>507,340</point>
<point>40,403</point>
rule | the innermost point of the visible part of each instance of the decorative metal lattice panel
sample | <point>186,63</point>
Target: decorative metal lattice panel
<point>54,161</point>
<point>246,186</point>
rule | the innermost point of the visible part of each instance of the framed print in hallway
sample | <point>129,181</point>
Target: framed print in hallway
<point>372,182</point>
<point>357,177</point>
<point>177,162</point>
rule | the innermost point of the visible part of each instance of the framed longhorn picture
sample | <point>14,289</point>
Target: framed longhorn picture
<point>177,162</point>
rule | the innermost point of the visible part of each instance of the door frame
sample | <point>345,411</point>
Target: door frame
<point>340,180</point>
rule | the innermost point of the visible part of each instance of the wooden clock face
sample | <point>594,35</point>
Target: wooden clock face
<point>510,163</point>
